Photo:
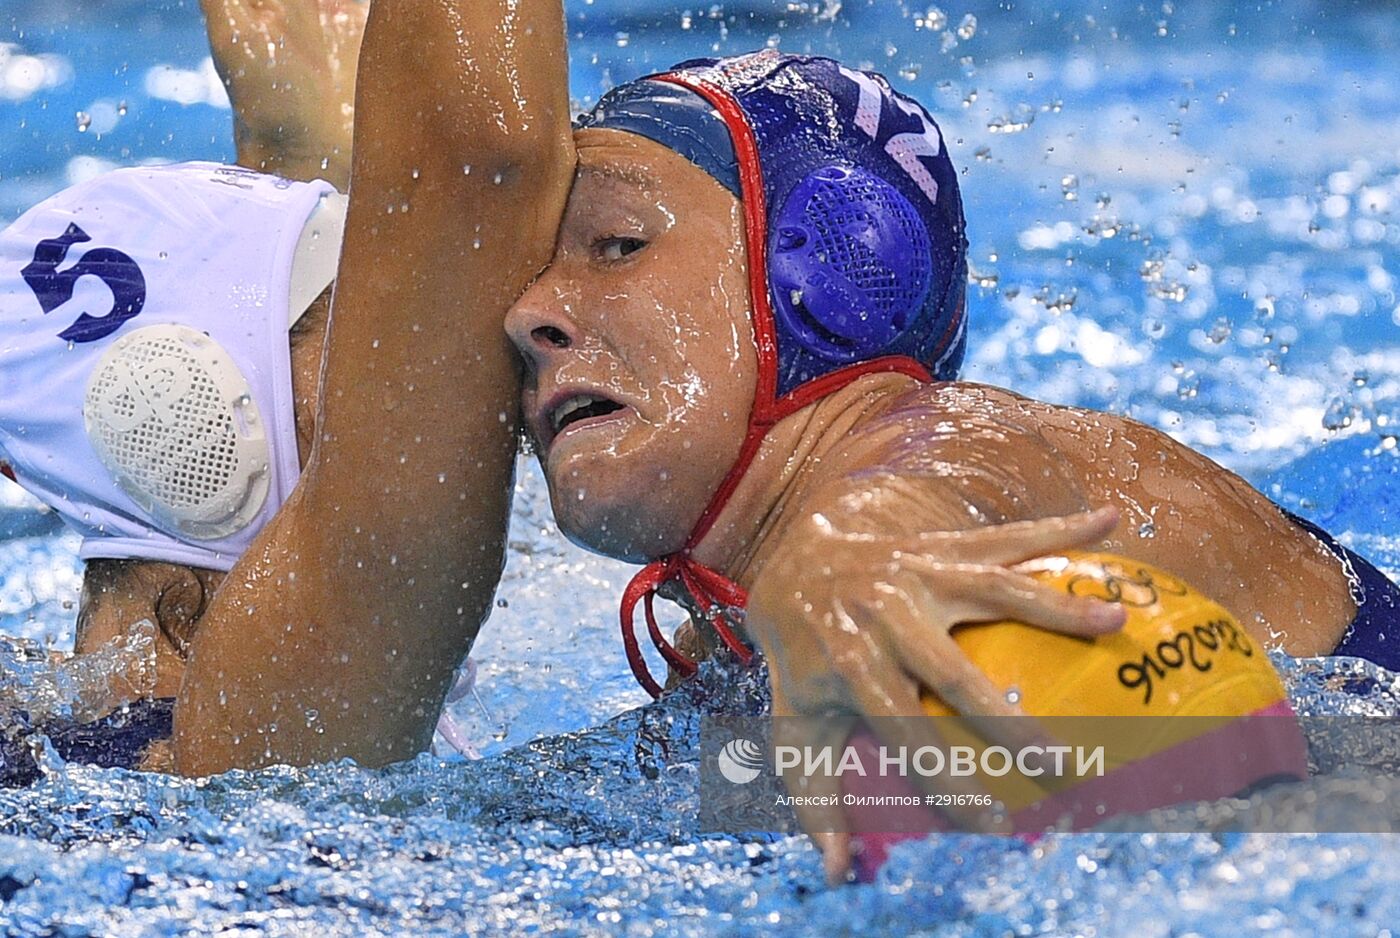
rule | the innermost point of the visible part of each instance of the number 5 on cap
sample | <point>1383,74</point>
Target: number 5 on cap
<point>117,270</point>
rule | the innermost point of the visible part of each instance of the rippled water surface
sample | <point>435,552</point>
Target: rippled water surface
<point>1185,212</point>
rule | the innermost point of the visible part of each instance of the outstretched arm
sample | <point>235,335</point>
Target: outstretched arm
<point>289,67</point>
<point>338,632</point>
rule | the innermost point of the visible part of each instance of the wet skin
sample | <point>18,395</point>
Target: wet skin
<point>290,72</point>
<point>404,499</point>
<point>645,306</point>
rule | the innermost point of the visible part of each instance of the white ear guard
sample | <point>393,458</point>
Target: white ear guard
<point>172,419</point>
<point>187,439</point>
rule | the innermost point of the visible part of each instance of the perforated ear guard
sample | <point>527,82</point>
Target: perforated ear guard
<point>848,263</point>
<point>172,418</point>
<point>850,193</point>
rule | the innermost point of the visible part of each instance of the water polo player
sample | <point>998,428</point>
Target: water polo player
<point>174,426</point>
<point>737,372</point>
<point>127,503</point>
<point>168,431</point>
<point>403,503</point>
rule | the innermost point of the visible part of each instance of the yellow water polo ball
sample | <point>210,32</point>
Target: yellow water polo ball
<point>1179,654</point>
<point>1184,704</point>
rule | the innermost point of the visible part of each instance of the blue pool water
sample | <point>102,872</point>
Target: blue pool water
<point>1183,212</point>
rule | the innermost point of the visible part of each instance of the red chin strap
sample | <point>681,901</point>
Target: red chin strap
<point>712,592</point>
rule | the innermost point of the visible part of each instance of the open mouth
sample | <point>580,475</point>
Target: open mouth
<point>579,408</point>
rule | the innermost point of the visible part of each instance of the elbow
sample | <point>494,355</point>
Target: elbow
<point>531,158</point>
<point>539,181</point>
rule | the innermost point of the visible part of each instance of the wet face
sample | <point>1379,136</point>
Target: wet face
<point>640,365</point>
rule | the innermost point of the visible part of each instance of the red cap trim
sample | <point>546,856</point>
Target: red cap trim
<point>709,588</point>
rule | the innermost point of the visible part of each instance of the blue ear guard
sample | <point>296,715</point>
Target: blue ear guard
<point>866,250</point>
<point>847,263</point>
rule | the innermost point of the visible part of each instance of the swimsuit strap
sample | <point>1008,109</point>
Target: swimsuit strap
<point>1373,632</point>
<point>712,591</point>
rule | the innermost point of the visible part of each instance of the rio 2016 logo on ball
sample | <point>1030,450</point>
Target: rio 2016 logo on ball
<point>741,761</point>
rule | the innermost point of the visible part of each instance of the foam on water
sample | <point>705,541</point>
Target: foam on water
<point>1189,216</point>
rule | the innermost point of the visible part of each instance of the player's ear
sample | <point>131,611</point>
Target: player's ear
<point>182,596</point>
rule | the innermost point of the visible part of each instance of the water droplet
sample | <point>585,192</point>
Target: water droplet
<point>1021,117</point>
<point>968,27</point>
<point>84,121</point>
<point>933,19</point>
<point>1339,415</point>
<point>987,279</point>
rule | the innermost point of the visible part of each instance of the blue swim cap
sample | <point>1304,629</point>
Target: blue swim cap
<point>674,117</point>
<point>851,202</point>
<point>860,221</point>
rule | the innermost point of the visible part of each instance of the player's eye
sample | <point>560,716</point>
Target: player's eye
<point>616,248</point>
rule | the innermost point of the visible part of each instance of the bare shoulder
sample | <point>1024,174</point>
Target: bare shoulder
<point>1062,458</point>
<point>1007,457</point>
<point>983,421</point>
<point>968,405</point>
<point>954,454</point>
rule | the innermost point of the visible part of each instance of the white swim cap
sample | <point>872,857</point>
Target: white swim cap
<point>145,375</point>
